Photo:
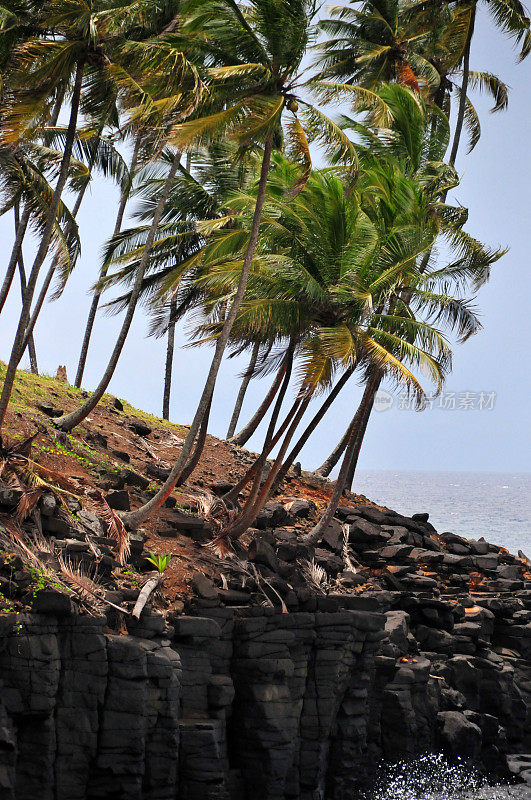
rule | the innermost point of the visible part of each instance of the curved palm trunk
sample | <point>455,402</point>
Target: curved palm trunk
<point>310,428</point>
<point>134,518</point>
<point>69,421</point>
<point>314,536</point>
<point>97,293</point>
<point>259,498</point>
<point>271,438</point>
<point>53,266</point>
<point>196,455</point>
<point>23,285</point>
<point>17,350</point>
<point>359,441</point>
<point>20,232</point>
<point>169,363</point>
<point>245,434</point>
<point>464,88</point>
<point>243,389</point>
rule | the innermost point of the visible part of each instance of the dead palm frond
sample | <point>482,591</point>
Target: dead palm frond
<point>315,575</point>
<point>83,581</point>
<point>115,527</point>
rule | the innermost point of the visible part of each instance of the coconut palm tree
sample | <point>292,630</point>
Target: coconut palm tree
<point>379,41</point>
<point>64,55</point>
<point>419,146</point>
<point>256,52</point>
<point>510,17</point>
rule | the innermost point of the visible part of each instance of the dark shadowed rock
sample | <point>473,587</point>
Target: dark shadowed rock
<point>204,586</point>
<point>271,516</point>
<point>119,500</point>
<point>458,737</point>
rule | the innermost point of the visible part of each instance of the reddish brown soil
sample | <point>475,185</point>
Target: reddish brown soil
<point>84,463</point>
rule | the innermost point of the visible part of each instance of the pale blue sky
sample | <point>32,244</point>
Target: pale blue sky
<point>495,188</point>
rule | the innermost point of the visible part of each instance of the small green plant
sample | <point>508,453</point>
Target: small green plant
<point>160,561</point>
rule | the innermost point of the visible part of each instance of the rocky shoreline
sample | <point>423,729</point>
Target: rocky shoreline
<point>289,676</point>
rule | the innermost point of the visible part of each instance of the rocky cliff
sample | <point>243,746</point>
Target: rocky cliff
<point>278,673</point>
<point>253,703</point>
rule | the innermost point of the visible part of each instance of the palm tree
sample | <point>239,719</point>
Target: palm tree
<point>65,52</point>
<point>315,285</point>
<point>420,147</point>
<point>256,52</point>
<point>510,17</point>
<point>379,42</point>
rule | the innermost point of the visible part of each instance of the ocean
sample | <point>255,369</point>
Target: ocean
<point>471,504</point>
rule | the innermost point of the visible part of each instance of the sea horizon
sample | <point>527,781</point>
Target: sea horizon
<point>495,505</point>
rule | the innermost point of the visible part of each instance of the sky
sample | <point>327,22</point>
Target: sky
<point>484,424</point>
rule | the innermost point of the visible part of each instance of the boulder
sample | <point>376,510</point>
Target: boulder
<point>204,587</point>
<point>396,627</point>
<point>139,427</point>
<point>300,509</point>
<point>261,552</point>
<point>271,516</point>
<point>458,737</point>
<point>119,500</point>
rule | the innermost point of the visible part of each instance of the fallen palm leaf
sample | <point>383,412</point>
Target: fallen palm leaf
<point>115,527</point>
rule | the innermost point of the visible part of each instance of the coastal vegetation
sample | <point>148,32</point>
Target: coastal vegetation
<point>285,176</point>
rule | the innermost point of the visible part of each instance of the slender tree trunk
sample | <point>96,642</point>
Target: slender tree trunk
<point>464,89</point>
<point>49,275</point>
<point>270,438</point>
<point>312,425</point>
<point>257,466</point>
<point>243,390</point>
<point>23,285</point>
<point>199,446</point>
<point>17,351</point>
<point>97,293</point>
<point>169,363</point>
<point>54,117</point>
<point>53,266</point>
<point>69,421</point>
<point>134,518</point>
<point>314,536</point>
<point>359,441</point>
<point>245,434</point>
<point>20,232</point>
<point>259,498</point>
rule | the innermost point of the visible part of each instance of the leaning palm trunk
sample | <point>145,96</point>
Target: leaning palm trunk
<point>258,465</point>
<point>169,363</point>
<point>359,442</point>
<point>17,349</point>
<point>53,266</point>
<point>69,421</point>
<point>199,446</point>
<point>464,88</point>
<point>97,292</point>
<point>259,495</point>
<point>314,536</point>
<point>135,517</point>
<point>20,231</point>
<point>271,438</point>
<point>243,390</point>
<point>310,428</point>
<point>245,434</point>
<point>23,286</point>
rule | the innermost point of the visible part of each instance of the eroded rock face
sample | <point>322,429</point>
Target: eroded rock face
<point>248,703</point>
